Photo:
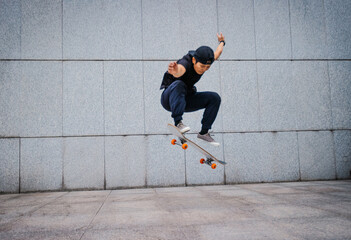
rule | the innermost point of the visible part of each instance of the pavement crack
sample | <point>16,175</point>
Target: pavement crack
<point>97,212</point>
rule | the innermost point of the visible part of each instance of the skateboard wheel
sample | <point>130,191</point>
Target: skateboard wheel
<point>213,166</point>
<point>173,141</point>
<point>185,146</point>
<point>202,161</point>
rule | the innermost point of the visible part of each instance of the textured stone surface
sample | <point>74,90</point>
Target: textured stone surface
<point>41,30</point>
<point>197,173</point>
<point>83,163</point>
<point>123,25</point>
<point>41,99</point>
<point>342,144</point>
<point>303,210</point>
<point>41,164</point>
<point>272,27</point>
<point>9,161</point>
<point>194,15</point>
<point>338,21</point>
<point>308,29</point>
<point>167,31</point>
<point>240,105</point>
<point>165,164</point>
<point>261,157</point>
<point>277,96</point>
<point>125,159</point>
<point>83,30</point>
<point>313,106</point>
<point>101,30</point>
<point>316,155</point>
<point>280,150</point>
<point>83,98</point>
<point>123,98</point>
<point>236,22</point>
<point>340,83</point>
<point>10,82</point>
<point>10,29</point>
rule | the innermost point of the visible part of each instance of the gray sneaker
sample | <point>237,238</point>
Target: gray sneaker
<point>182,128</point>
<point>207,137</point>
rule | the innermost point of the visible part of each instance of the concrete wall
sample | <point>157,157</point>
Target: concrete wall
<point>80,105</point>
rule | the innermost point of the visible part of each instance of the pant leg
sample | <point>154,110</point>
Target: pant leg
<point>173,99</point>
<point>211,101</point>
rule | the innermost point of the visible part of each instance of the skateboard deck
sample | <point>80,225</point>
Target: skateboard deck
<point>184,143</point>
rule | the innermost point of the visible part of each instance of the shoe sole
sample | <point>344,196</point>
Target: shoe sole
<point>216,144</point>
<point>184,130</point>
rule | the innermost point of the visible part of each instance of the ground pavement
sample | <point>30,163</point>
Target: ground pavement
<point>296,210</point>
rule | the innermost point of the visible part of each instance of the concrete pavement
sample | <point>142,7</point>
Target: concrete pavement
<point>296,210</point>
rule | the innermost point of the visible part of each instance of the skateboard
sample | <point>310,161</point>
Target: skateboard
<point>184,144</point>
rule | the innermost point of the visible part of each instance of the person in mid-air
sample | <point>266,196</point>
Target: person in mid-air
<point>180,94</point>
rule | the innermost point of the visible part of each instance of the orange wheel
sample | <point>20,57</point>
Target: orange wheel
<point>202,161</point>
<point>213,166</point>
<point>173,141</point>
<point>185,146</point>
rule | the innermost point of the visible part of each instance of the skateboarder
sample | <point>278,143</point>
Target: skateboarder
<point>180,94</point>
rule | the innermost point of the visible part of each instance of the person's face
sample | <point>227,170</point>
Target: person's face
<point>200,68</point>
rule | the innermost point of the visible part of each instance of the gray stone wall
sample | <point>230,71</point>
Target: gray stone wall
<point>80,100</point>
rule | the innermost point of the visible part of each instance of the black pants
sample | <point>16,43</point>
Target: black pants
<point>177,99</point>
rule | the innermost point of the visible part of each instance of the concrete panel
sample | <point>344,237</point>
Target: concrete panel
<point>342,143</point>
<point>10,82</point>
<point>83,30</point>
<point>9,161</point>
<point>236,21</point>
<point>261,157</point>
<point>161,22</point>
<point>41,32</point>
<point>340,82</point>
<point>272,26</point>
<point>41,99</point>
<point>210,81</point>
<point>83,163</point>
<point>308,29</point>
<point>156,117</point>
<point>198,24</point>
<point>316,155</point>
<point>41,164</point>
<point>83,98</point>
<point>338,22</point>
<point>123,98</point>
<point>240,105</point>
<point>196,173</point>
<point>277,96</point>
<point>280,150</point>
<point>242,153</point>
<point>123,36</point>
<point>125,159</point>
<point>165,162</point>
<point>10,29</point>
<point>313,95</point>
<point>100,29</point>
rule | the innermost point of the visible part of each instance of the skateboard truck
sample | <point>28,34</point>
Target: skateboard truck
<point>208,161</point>
<point>183,144</point>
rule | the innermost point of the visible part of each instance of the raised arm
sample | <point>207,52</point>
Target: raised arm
<point>177,70</point>
<point>219,49</point>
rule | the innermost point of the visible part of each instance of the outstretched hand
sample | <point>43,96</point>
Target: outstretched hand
<point>173,68</point>
<point>220,37</point>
